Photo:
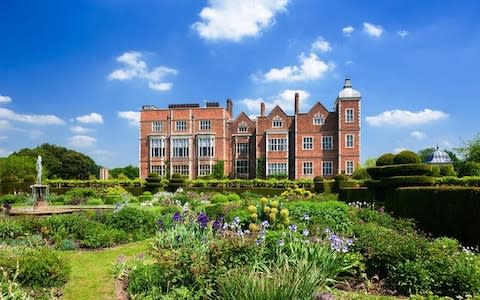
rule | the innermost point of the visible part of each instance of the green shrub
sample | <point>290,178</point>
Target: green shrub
<point>356,194</point>
<point>436,171</point>
<point>219,198</point>
<point>78,196</point>
<point>67,245</point>
<point>410,278</point>
<point>10,198</point>
<point>10,179</point>
<point>218,169</point>
<point>38,267</point>
<point>327,214</point>
<point>146,196</point>
<point>94,201</point>
<point>406,157</point>
<point>361,174</point>
<point>11,229</point>
<point>29,178</point>
<point>214,210</point>
<point>385,160</point>
<point>447,171</point>
<point>137,223</point>
<point>233,197</point>
<point>148,280</point>
<point>199,183</point>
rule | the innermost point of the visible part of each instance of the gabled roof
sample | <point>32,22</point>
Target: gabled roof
<point>243,116</point>
<point>316,105</point>
<point>277,108</point>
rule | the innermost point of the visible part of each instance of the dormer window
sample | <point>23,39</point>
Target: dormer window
<point>242,127</point>
<point>277,122</point>
<point>318,119</point>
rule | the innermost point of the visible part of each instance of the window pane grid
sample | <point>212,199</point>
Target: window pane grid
<point>180,147</point>
<point>206,147</point>
<point>277,144</point>
<point>157,126</point>
<point>327,168</point>
<point>277,169</point>
<point>160,170</point>
<point>181,125</point>
<point>327,143</point>
<point>204,170</point>
<point>205,125</point>
<point>308,143</point>
<point>242,148</point>
<point>180,169</point>
<point>241,166</point>
<point>157,148</point>
<point>308,168</point>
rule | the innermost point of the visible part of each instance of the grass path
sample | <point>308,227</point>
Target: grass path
<point>90,276</point>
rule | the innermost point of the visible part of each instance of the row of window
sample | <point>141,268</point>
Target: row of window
<point>277,122</point>
<point>204,125</point>
<point>327,142</point>
<point>327,167</point>
<point>203,170</point>
<point>241,167</point>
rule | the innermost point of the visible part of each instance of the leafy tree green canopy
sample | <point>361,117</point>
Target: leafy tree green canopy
<point>129,171</point>
<point>15,165</point>
<point>60,162</point>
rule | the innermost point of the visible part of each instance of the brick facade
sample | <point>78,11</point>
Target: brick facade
<point>190,139</point>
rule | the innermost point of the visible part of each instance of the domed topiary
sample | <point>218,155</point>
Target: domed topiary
<point>385,160</point>
<point>406,157</point>
<point>176,181</point>
<point>153,183</point>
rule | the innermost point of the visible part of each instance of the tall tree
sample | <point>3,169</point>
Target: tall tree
<point>129,171</point>
<point>17,165</point>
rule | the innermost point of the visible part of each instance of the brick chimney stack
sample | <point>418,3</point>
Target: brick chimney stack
<point>297,103</point>
<point>230,107</point>
<point>262,109</point>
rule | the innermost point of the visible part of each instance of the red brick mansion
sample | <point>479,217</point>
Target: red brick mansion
<point>189,139</point>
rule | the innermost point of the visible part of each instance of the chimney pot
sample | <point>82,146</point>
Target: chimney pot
<point>262,109</point>
<point>230,106</point>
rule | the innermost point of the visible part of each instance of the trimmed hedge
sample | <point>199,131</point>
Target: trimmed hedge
<point>355,194</point>
<point>455,181</point>
<point>397,181</point>
<point>385,160</point>
<point>406,157</point>
<point>449,211</point>
<point>400,170</point>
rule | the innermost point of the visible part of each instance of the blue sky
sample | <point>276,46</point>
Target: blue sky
<point>76,73</point>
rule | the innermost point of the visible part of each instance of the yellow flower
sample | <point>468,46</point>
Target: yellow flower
<point>286,221</point>
<point>274,204</point>
<point>252,209</point>
<point>253,227</point>
<point>266,210</point>
<point>263,200</point>
<point>272,216</point>
<point>274,210</point>
<point>284,213</point>
<point>254,217</point>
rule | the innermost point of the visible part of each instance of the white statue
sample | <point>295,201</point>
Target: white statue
<point>39,170</point>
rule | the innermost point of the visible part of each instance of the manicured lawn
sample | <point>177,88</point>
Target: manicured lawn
<point>90,277</point>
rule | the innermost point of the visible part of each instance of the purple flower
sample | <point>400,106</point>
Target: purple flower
<point>177,217</point>
<point>202,220</point>
<point>293,228</point>
<point>218,223</point>
<point>265,224</point>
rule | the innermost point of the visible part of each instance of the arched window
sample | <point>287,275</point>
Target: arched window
<point>277,122</point>
<point>242,127</point>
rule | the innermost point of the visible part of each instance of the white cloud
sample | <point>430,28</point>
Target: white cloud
<point>349,62</point>
<point>92,118</point>
<point>5,99</point>
<point>4,124</point>
<point>402,33</point>
<point>310,68</point>
<point>322,45</point>
<point>133,117</point>
<point>135,67</point>
<point>3,137</point>
<point>417,135</point>
<point>347,31</point>
<point>284,99</point>
<point>81,141</point>
<point>30,119</point>
<point>162,86</point>
<point>79,129</point>
<point>372,30</point>
<point>234,20</point>
<point>399,117</point>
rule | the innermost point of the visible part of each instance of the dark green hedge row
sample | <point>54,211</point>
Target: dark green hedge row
<point>268,192</point>
<point>449,211</point>
<point>354,194</point>
<point>398,181</point>
<point>400,170</point>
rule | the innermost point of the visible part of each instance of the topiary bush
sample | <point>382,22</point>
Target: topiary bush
<point>400,170</point>
<point>176,181</point>
<point>385,160</point>
<point>406,157</point>
<point>95,201</point>
<point>233,197</point>
<point>153,183</point>
<point>447,171</point>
